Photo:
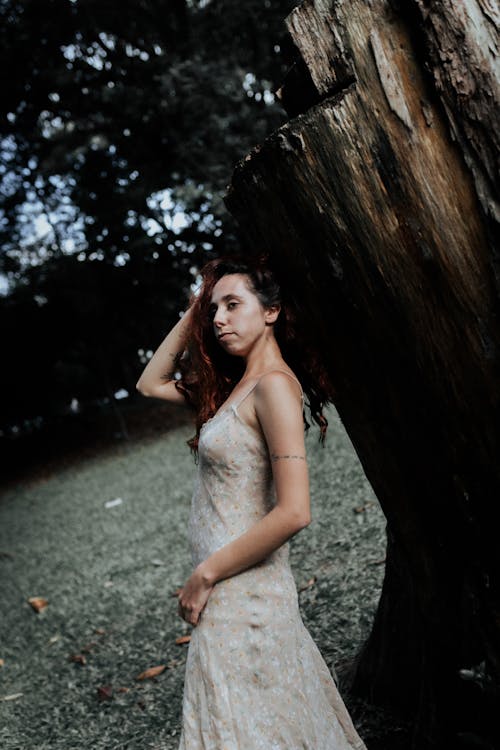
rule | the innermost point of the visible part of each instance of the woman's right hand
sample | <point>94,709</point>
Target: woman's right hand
<point>194,595</point>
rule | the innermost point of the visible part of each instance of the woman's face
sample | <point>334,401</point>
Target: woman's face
<point>238,317</point>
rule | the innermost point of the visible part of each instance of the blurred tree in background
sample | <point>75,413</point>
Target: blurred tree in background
<point>121,124</point>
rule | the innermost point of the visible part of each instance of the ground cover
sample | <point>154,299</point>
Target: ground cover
<point>104,541</point>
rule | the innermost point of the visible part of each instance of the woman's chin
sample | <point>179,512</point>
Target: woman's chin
<point>232,348</point>
<point>227,341</point>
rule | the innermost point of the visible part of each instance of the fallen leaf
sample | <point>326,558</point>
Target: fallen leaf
<point>151,672</point>
<point>122,690</point>
<point>38,603</point>
<point>54,638</point>
<point>308,585</point>
<point>2,662</point>
<point>99,631</point>
<point>105,692</point>
<point>182,639</point>
<point>11,697</point>
<point>78,658</point>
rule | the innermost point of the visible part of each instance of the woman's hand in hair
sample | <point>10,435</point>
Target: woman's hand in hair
<point>157,379</point>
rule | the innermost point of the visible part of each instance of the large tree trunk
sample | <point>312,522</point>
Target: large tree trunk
<point>378,202</point>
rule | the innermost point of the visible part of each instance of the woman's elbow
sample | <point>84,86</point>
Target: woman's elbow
<point>305,521</point>
<point>294,519</point>
<point>300,521</point>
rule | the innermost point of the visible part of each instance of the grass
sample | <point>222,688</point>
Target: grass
<point>109,573</point>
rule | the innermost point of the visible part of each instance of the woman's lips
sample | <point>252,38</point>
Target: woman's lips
<point>225,334</point>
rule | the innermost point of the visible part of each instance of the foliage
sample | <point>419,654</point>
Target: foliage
<point>121,123</point>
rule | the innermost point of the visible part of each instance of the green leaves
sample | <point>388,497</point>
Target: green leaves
<point>105,106</point>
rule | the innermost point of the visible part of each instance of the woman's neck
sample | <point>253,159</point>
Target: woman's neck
<point>262,359</point>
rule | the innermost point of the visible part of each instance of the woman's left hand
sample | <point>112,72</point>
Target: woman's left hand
<point>193,596</point>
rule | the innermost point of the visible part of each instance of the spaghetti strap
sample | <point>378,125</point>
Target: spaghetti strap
<point>236,404</point>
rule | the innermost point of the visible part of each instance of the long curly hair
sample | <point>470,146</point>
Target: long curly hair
<point>208,373</point>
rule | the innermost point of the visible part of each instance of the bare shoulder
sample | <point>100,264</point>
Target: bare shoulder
<point>278,403</point>
<point>277,385</point>
<point>278,406</point>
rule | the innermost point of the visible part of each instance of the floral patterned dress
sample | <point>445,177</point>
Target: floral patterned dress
<point>255,679</point>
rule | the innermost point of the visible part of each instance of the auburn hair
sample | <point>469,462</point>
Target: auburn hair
<point>208,373</point>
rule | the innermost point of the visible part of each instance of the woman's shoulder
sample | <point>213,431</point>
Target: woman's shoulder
<point>279,405</point>
<point>278,382</point>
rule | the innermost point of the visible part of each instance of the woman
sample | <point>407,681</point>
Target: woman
<point>255,680</point>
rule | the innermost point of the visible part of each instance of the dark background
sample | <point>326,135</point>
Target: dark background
<point>121,124</point>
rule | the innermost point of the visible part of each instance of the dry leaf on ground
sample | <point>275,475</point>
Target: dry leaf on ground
<point>38,603</point>
<point>151,672</point>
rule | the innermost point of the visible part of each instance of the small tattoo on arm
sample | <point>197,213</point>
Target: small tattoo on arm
<point>275,457</point>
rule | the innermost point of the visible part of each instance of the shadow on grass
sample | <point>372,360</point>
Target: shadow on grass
<point>71,439</point>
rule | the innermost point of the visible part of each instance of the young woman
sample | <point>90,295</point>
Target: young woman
<point>255,679</point>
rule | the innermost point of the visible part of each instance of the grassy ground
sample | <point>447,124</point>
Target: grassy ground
<point>109,573</point>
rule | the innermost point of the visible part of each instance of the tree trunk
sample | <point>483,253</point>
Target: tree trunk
<point>377,202</point>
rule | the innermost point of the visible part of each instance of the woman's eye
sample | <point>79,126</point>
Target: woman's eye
<point>231,303</point>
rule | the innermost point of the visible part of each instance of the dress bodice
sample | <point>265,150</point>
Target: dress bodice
<point>234,486</point>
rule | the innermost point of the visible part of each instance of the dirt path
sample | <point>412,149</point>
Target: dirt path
<point>109,573</point>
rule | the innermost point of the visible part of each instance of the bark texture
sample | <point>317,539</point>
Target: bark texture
<point>377,202</point>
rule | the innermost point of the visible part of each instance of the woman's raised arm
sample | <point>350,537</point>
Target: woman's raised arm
<point>157,378</point>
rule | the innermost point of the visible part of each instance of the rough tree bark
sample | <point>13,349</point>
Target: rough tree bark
<point>378,200</point>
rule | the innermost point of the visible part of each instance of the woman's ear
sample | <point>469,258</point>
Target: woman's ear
<point>271,314</point>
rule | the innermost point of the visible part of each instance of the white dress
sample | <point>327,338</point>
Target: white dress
<point>255,679</point>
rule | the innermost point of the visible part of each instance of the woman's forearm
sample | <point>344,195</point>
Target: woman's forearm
<point>254,545</point>
<point>161,366</point>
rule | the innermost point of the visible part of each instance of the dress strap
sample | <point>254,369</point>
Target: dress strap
<point>276,369</point>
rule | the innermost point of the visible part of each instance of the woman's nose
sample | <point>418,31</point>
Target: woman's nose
<point>219,318</point>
